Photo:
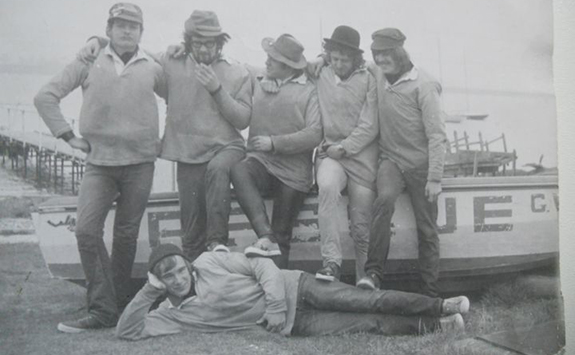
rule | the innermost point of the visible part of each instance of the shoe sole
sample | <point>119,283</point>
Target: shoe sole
<point>323,277</point>
<point>365,286</point>
<point>251,252</point>
<point>221,248</point>
<point>463,307</point>
<point>71,330</point>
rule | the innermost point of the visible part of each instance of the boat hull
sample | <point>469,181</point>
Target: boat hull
<point>489,228</point>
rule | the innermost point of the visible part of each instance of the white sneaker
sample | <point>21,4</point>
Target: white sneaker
<point>453,305</point>
<point>452,323</point>
<point>263,247</point>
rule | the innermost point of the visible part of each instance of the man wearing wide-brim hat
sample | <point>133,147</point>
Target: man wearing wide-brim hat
<point>347,156</point>
<point>285,128</point>
<point>412,154</point>
<point>209,104</point>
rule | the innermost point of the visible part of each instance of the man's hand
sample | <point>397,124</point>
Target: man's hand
<point>335,151</point>
<point>155,281</point>
<point>260,144</point>
<point>314,66</point>
<point>176,51</point>
<point>432,190</point>
<point>89,52</point>
<point>207,77</point>
<point>79,143</point>
<point>273,322</point>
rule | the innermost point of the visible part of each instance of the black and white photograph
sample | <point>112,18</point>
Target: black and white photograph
<point>274,177</point>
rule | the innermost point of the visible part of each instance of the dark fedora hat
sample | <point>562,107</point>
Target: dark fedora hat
<point>345,36</point>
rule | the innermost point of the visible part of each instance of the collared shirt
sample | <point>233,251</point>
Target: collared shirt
<point>412,122</point>
<point>119,63</point>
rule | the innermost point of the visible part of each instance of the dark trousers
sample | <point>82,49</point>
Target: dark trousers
<point>108,279</point>
<point>334,307</point>
<point>205,197</point>
<point>391,181</point>
<point>251,182</point>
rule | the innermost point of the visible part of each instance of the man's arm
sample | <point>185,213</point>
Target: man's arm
<point>433,121</point>
<point>47,102</point>
<point>306,139</point>
<point>368,124</point>
<point>136,323</point>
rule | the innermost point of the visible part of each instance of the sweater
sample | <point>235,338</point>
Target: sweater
<point>291,118</point>
<point>232,293</point>
<point>349,117</point>
<point>119,114</point>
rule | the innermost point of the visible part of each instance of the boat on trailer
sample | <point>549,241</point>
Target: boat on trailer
<point>489,228</point>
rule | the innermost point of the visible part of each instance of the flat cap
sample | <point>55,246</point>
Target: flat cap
<point>387,38</point>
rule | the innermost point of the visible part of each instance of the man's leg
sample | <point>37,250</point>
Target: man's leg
<point>287,204</point>
<point>389,185</point>
<point>135,185</point>
<point>97,193</point>
<point>361,200</point>
<point>191,189</point>
<point>250,179</point>
<point>427,235</point>
<point>309,322</point>
<point>331,180</point>
<point>218,194</point>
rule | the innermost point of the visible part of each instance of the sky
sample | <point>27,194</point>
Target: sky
<point>492,57</point>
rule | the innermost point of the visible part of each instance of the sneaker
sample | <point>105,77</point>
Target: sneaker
<point>263,247</point>
<point>369,282</point>
<point>455,305</point>
<point>215,246</point>
<point>328,273</point>
<point>452,323</point>
<point>82,324</point>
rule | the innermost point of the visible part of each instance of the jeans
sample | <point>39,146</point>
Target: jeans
<point>108,279</point>
<point>205,197</point>
<point>334,307</point>
<point>251,182</point>
<point>391,181</point>
<point>331,180</point>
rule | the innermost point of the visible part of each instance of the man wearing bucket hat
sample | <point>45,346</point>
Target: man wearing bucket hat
<point>285,128</point>
<point>347,156</point>
<point>120,134</point>
<point>209,104</point>
<point>412,153</point>
<point>223,292</point>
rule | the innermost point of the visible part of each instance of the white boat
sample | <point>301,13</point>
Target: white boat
<point>490,227</point>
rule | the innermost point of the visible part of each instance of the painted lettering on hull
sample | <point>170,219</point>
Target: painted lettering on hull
<point>483,209</point>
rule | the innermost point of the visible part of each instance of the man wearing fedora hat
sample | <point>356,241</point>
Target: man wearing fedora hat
<point>285,128</point>
<point>223,292</point>
<point>120,134</point>
<point>347,156</point>
<point>412,154</point>
<point>209,104</point>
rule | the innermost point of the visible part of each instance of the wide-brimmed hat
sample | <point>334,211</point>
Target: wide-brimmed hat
<point>345,36</point>
<point>387,38</point>
<point>285,49</point>
<point>204,23</point>
<point>161,251</point>
<point>126,11</point>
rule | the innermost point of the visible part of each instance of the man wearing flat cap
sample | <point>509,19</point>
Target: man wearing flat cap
<point>285,128</point>
<point>223,292</point>
<point>209,104</point>
<point>347,156</point>
<point>412,154</point>
<point>120,134</point>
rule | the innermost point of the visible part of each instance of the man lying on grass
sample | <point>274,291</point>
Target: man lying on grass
<point>223,291</point>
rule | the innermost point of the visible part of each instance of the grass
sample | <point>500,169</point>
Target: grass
<point>33,303</point>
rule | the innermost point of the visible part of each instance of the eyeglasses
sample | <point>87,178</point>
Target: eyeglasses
<point>198,44</point>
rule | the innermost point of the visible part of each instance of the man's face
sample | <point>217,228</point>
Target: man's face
<point>386,62</point>
<point>342,64</point>
<point>276,69</point>
<point>178,279</point>
<point>124,35</point>
<point>204,49</point>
